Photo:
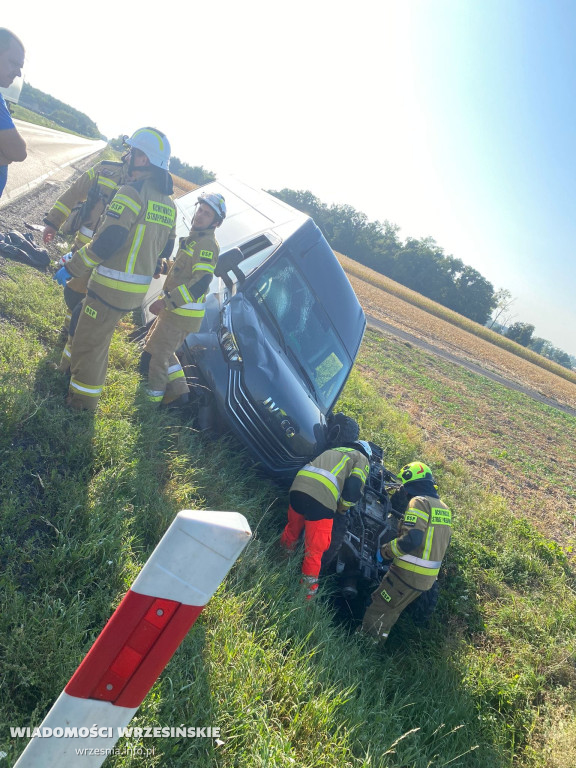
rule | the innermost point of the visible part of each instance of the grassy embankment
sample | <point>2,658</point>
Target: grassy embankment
<point>406,294</point>
<point>85,499</point>
<point>22,113</point>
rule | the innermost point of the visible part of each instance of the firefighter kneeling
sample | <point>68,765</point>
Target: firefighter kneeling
<point>416,553</point>
<point>329,485</point>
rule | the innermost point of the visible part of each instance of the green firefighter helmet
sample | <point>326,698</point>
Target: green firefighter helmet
<point>416,470</point>
<point>154,144</point>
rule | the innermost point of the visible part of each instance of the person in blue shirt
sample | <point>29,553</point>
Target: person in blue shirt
<point>12,145</point>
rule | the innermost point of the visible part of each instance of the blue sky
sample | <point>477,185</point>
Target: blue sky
<point>453,119</point>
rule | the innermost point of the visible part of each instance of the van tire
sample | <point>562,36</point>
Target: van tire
<point>421,609</point>
<point>343,429</point>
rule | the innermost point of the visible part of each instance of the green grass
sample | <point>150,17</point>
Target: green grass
<point>85,499</point>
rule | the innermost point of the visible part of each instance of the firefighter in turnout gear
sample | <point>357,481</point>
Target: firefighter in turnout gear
<point>180,308</point>
<point>138,229</point>
<point>416,553</point>
<point>328,486</point>
<point>78,212</point>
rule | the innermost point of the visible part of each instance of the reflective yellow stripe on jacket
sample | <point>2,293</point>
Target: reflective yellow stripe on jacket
<point>121,281</point>
<point>191,309</point>
<point>326,477</point>
<point>423,565</point>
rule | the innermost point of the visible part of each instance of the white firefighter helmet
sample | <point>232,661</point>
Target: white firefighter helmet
<point>216,201</point>
<point>154,144</point>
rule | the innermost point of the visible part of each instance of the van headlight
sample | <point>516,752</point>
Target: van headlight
<point>227,339</point>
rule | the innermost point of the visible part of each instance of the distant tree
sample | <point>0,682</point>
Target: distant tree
<point>503,301</point>
<point>563,359</point>
<point>521,333</point>
<point>304,201</point>
<point>539,345</point>
<point>194,173</point>
<point>418,264</point>
<point>474,295</point>
<point>58,111</point>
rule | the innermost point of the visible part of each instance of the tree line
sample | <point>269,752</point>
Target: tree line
<point>59,112</point>
<point>523,333</point>
<point>420,265</point>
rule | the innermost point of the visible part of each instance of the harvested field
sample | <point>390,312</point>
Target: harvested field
<point>390,309</point>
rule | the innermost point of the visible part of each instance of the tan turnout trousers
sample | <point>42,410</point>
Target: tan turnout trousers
<point>166,379</point>
<point>89,352</point>
<point>388,602</point>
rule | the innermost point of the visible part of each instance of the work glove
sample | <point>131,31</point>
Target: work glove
<point>379,558</point>
<point>400,500</point>
<point>63,260</point>
<point>62,276</point>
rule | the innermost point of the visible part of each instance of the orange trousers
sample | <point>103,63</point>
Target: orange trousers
<point>317,537</point>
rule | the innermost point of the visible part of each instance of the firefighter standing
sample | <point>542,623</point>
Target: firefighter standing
<point>180,307</point>
<point>416,553</point>
<point>329,485</point>
<point>138,229</point>
<point>78,212</point>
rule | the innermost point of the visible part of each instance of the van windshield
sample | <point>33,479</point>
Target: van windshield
<point>285,302</point>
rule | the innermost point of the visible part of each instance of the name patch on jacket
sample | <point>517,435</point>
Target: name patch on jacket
<point>157,213</point>
<point>441,516</point>
<point>206,255</point>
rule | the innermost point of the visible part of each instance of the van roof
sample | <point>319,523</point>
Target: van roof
<point>250,212</point>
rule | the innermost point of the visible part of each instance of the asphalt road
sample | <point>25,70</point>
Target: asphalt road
<point>49,155</point>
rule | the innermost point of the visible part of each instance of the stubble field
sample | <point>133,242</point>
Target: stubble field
<point>516,446</point>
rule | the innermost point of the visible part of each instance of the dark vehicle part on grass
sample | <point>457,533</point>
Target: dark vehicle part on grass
<point>356,539</point>
<point>22,248</point>
<point>280,334</point>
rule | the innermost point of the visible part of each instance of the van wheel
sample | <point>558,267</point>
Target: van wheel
<point>343,429</point>
<point>421,609</point>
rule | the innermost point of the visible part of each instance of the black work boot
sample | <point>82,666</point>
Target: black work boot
<point>178,402</point>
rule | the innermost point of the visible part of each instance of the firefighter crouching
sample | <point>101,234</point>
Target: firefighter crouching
<point>138,228</point>
<point>78,212</point>
<point>416,553</point>
<point>328,486</point>
<point>180,307</point>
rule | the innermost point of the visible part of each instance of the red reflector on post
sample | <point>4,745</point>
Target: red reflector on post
<point>178,579</point>
<point>133,648</point>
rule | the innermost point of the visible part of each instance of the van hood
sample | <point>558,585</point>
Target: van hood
<point>276,388</point>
